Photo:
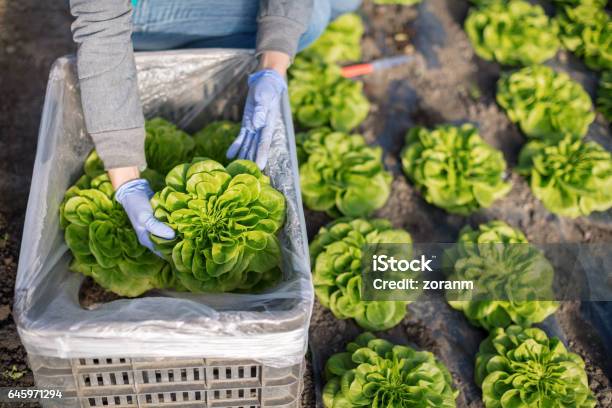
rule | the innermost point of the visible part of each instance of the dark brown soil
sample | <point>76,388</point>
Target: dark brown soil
<point>446,83</point>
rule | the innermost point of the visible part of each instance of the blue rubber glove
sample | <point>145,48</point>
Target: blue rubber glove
<point>134,196</point>
<point>261,113</point>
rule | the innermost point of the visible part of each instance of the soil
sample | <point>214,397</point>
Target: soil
<point>446,83</point>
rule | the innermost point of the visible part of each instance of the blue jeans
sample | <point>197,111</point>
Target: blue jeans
<point>169,24</point>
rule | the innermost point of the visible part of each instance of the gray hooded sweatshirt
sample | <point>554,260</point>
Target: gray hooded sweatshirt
<point>107,72</point>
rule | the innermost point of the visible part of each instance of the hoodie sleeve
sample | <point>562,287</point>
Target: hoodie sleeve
<point>281,23</point>
<point>108,82</point>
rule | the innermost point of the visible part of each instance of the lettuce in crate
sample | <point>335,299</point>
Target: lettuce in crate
<point>104,244</point>
<point>454,168</point>
<point>335,254</point>
<point>498,256</point>
<point>545,103</point>
<point>226,221</point>
<point>341,174</point>
<point>166,145</point>
<point>523,368</point>
<point>94,167</point>
<point>586,30</point>
<point>373,372</point>
<point>571,177</point>
<point>512,33</point>
<point>213,141</point>
<point>321,96</point>
<point>341,41</point>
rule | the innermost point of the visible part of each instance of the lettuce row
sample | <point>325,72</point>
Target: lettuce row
<point>571,178</point>
<point>320,96</point>
<point>213,141</point>
<point>454,168</point>
<point>604,95</point>
<point>546,104</point>
<point>512,33</point>
<point>373,372</point>
<point>339,43</point>
<point>498,256</point>
<point>104,244</point>
<point>586,30</point>
<point>335,254</point>
<point>226,221</point>
<point>341,174</point>
<point>523,368</point>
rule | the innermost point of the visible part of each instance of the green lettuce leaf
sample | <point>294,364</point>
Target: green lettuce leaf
<point>498,257</point>
<point>546,104</point>
<point>376,373</point>
<point>103,243</point>
<point>226,220</point>
<point>454,168</point>
<point>320,96</point>
<point>340,42</point>
<point>213,141</point>
<point>522,368</point>
<point>586,30</point>
<point>512,33</point>
<point>571,178</point>
<point>166,145</point>
<point>341,174</point>
<point>604,95</point>
<point>335,255</point>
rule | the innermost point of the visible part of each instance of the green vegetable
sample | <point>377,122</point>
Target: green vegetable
<point>103,243</point>
<point>166,145</point>
<point>320,96</point>
<point>523,368</point>
<point>400,2</point>
<point>94,167</point>
<point>335,254</point>
<point>604,95</point>
<point>546,104</point>
<point>213,141</point>
<point>498,256</point>
<point>226,221</point>
<point>595,3</point>
<point>586,30</point>
<point>484,3</point>
<point>571,178</point>
<point>340,42</point>
<point>454,168</point>
<point>342,174</point>
<point>512,33</point>
<point>376,373</point>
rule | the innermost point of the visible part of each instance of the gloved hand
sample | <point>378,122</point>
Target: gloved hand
<point>134,196</point>
<point>261,112</point>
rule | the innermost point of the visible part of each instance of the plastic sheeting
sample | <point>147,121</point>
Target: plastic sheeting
<point>189,88</point>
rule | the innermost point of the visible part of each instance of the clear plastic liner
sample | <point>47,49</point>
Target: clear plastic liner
<point>190,88</point>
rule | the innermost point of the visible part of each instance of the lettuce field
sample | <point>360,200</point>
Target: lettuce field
<point>496,132</point>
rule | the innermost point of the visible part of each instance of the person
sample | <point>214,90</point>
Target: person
<point>108,31</point>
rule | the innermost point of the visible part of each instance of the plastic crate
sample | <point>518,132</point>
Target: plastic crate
<point>167,382</point>
<point>165,349</point>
